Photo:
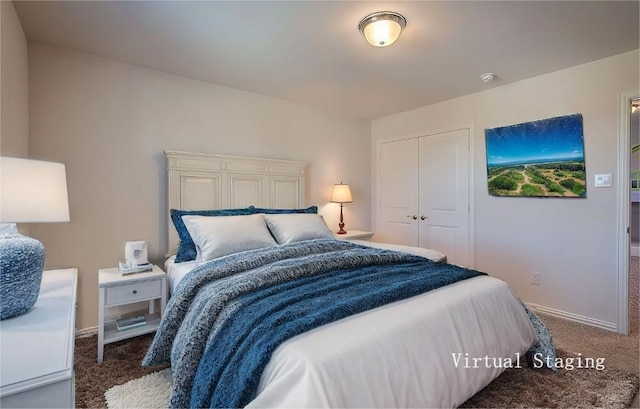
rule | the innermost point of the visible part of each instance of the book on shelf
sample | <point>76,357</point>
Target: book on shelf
<point>138,268</point>
<point>132,322</point>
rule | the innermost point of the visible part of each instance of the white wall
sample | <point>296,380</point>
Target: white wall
<point>110,122</point>
<point>571,242</point>
<point>14,115</point>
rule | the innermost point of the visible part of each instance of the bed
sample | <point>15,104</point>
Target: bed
<point>417,349</point>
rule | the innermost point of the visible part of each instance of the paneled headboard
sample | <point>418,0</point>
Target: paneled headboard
<point>200,181</point>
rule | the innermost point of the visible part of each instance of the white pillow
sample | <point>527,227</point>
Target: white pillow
<point>291,227</point>
<point>222,235</point>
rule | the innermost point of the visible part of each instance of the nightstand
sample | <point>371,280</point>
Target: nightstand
<point>117,289</point>
<point>354,235</point>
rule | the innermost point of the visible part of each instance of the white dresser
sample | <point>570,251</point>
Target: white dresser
<point>36,348</point>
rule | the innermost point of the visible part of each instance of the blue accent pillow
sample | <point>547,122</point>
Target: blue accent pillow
<point>311,209</point>
<point>187,248</point>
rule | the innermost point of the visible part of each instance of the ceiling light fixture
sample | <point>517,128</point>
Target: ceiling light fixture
<point>382,28</point>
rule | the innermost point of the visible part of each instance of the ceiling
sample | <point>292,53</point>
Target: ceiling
<point>311,53</point>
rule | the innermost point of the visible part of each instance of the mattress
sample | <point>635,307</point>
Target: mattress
<point>176,271</point>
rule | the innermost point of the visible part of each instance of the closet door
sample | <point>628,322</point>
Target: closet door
<point>444,195</point>
<point>398,192</point>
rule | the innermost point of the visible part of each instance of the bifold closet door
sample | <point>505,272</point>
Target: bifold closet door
<point>443,218</point>
<point>398,192</point>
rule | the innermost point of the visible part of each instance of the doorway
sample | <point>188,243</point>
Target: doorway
<point>634,249</point>
<point>627,283</point>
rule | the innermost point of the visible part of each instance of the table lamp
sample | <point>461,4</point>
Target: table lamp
<point>341,194</point>
<point>31,191</point>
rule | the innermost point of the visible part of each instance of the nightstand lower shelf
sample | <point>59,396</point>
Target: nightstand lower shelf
<point>111,333</point>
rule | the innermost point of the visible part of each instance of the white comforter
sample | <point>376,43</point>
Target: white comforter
<point>401,354</point>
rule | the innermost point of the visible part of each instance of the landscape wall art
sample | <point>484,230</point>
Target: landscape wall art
<point>542,158</point>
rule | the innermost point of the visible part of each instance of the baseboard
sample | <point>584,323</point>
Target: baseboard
<point>634,250</point>
<point>610,326</point>
<point>86,332</point>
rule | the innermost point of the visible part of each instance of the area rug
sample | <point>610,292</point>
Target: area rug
<point>149,391</point>
<point>515,388</point>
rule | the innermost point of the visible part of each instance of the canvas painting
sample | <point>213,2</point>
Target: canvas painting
<point>542,158</point>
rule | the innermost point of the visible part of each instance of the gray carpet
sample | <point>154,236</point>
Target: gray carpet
<point>577,388</point>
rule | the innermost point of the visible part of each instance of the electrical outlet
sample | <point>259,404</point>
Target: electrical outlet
<point>535,278</point>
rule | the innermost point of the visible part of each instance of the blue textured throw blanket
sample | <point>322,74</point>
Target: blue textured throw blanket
<point>227,316</point>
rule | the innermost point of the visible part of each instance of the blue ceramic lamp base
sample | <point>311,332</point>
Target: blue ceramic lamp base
<point>21,265</point>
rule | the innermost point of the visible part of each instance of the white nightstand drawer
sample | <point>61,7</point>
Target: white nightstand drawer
<point>133,292</point>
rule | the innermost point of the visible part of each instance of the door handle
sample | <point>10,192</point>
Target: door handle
<point>423,217</point>
<point>414,217</point>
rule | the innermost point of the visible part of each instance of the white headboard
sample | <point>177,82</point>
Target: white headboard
<point>200,181</point>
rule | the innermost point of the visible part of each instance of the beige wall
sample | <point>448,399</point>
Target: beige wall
<point>14,82</point>
<point>109,122</point>
<point>571,242</point>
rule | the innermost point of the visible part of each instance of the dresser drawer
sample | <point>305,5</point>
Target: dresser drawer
<point>133,292</point>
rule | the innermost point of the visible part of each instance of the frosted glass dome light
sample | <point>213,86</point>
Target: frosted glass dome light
<point>382,28</point>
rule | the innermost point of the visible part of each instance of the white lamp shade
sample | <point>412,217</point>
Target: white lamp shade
<point>341,194</point>
<point>32,191</point>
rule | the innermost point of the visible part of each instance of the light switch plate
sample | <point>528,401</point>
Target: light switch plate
<point>603,180</point>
